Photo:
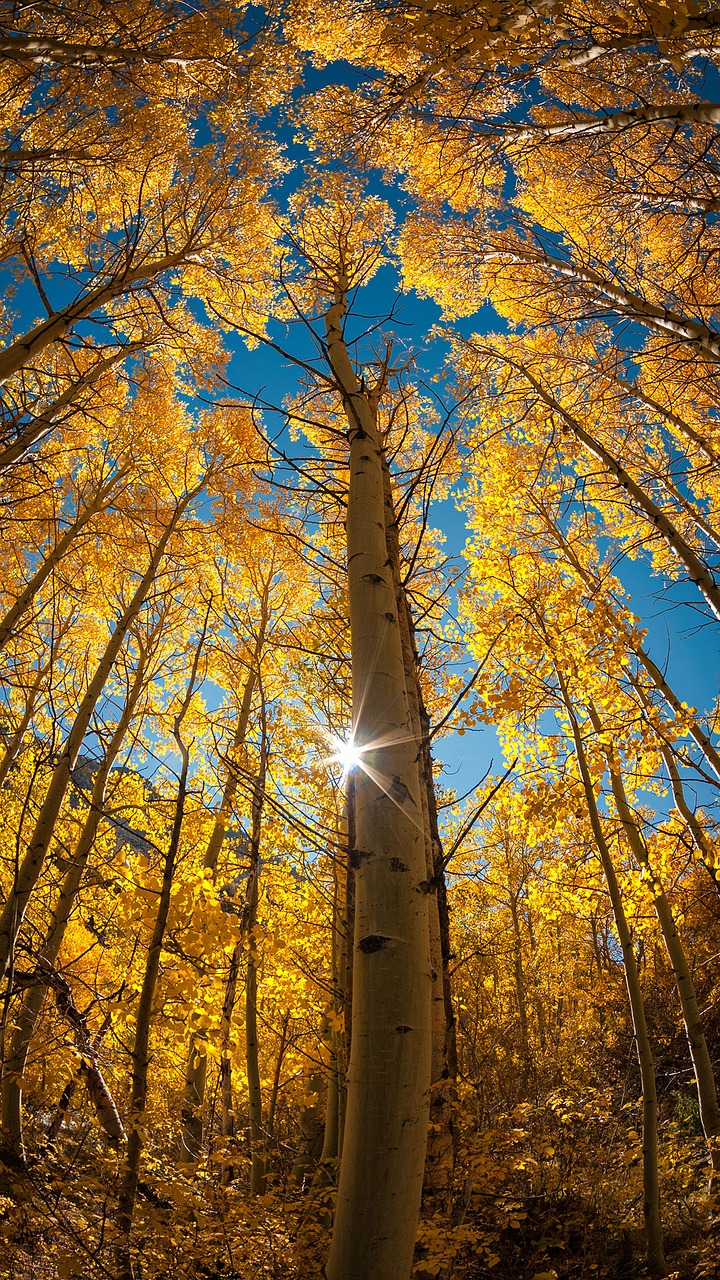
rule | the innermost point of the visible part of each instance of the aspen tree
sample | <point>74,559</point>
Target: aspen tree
<point>338,235</point>
<point>32,862</point>
<point>108,489</point>
<point>26,1019</point>
<point>140,1055</point>
<point>14,742</point>
<point>19,437</point>
<point>527,581</point>
<point>77,35</point>
<point>195,1078</point>
<point>259,641</point>
<point>512,128</point>
<point>681,713</point>
<point>385,1128</point>
<point>701,1060</point>
<point>252,891</point>
<point>108,105</point>
<point>651,1191</point>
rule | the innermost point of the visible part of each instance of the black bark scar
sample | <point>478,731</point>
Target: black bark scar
<point>373,942</point>
<point>358,856</point>
<point>399,791</point>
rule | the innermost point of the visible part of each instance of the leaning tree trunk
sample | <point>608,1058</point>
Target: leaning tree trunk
<point>26,1020</point>
<point>651,1184</point>
<point>61,1111</point>
<point>190,1145</point>
<point>695,567</point>
<point>699,836</point>
<point>26,348</point>
<point>14,743</point>
<point>697,1044</point>
<point>655,675</point>
<point>102,499</point>
<point>38,428</point>
<point>381,1170</point>
<point>31,865</point>
<point>140,1055</point>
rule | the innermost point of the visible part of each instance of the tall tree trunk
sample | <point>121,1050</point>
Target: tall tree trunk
<point>275,1088</point>
<point>252,1047</point>
<point>651,1186</point>
<point>26,1020</point>
<point>227,1109</point>
<point>29,869</point>
<point>537,998</point>
<point>331,1132</point>
<point>246,944</point>
<point>381,1170</point>
<point>141,1045</point>
<point>520,987</point>
<point>191,1134</point>
<point>427,784</point>
<point>311,1126</point>
<point>252,1059</point>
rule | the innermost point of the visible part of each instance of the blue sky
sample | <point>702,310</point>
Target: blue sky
<point>681,639</point>
<point>679,635</point>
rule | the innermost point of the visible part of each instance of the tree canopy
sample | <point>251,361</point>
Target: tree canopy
<point>359,604</point>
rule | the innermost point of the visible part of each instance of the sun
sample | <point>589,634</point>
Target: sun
<point>346,753</point>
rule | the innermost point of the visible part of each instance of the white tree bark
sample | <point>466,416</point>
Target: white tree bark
<point>383,1158</point>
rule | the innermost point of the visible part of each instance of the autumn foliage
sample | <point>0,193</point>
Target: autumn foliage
<point>359,424</point>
